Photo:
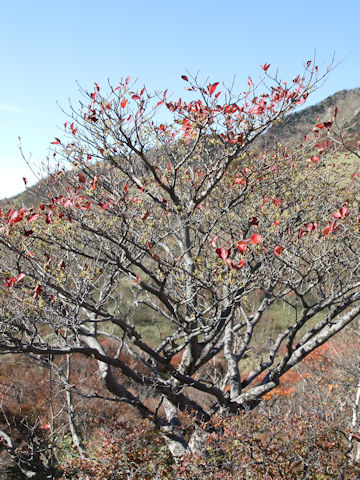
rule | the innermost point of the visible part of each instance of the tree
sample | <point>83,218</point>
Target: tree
<point>181,224</point>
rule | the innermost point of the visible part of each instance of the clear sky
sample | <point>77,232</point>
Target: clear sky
<point>46,46</point>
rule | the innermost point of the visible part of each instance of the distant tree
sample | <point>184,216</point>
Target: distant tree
<point>180,222</point>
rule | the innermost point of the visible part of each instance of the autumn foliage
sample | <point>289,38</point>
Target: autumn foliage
<point>167,245</point>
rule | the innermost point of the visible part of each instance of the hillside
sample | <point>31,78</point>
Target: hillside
<point>293,128</point>
<point>34,195</point>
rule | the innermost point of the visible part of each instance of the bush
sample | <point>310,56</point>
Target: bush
<point>250,446</point>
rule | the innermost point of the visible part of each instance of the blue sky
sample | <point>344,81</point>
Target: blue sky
<point>47,46</point>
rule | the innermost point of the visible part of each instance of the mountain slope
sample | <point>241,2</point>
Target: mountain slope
<point>293,128</point>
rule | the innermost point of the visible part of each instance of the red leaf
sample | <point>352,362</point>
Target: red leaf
<point>16,216</point>
<point>311,227</point>
<point>213,239</point>
<point>335,111</point>
<point>256,239</point>
<point>331,228</point>
<point>301,233</point>
<point>33,217</point>
<point>81,177</point>
<point>126,188</point>
<point>123,103</point>
<point>20,277</point>
<point>9,281</point>
<point>104,206</point>
<point>127,80</point>
<point>184,77</point>
<point>212,88</point>
<point>37,291</point>
<point>315,159</point>
<point>223,253</point>
<point>25,180</point>
<point>343,213</point>
<point>254,221</point>
<point>11,213</point>
<point>94,182</point>
<point>47,426</point>
<point>232,264</point>
<point>57,141</point>
<point>277,250</point>
<point>265,66</point>
<point>242,245</point>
